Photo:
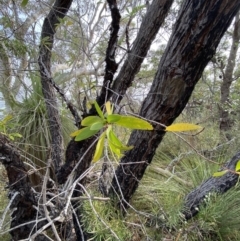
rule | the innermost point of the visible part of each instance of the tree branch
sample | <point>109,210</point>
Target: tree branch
<point>57,12</point>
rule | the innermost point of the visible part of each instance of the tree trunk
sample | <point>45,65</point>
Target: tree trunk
<point>196,35</point>
<point>58,11</point>
<point>150,26</point>
<point>225,119</point>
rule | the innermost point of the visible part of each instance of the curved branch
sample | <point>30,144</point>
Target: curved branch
<point>57,12</point>
<point>111,65</point>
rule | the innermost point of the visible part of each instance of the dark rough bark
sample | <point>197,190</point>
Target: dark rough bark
<point>111,65</point>
<point>57,12</point>
<point>196,35</point>
<point>214,184</point>
<point>20,186</point>
<point>225,119</point>
<point>150,26</point>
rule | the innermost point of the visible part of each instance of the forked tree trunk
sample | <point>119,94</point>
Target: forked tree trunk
<point>196,35</point>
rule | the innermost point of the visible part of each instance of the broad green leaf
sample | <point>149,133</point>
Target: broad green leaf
<point>183,127</point>
<point>122,148</point>
<point>113,118</point>
<point>220,174</point>
<point>237,168</point>
<point>96,126</point>
<point>134,123</point>
<point>83,133</point>
<point>109,109</point>
<point>88,121</point>
<point>113,139</point>
<point>99,147</point>
<point>24,3</point>
<point>98,109</point>
<point>115,150</point>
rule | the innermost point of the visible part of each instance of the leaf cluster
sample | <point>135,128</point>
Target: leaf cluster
<point>105,122</point>
<point>5,124</point>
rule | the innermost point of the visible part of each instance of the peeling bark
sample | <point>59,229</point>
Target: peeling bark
<point>196,35</point>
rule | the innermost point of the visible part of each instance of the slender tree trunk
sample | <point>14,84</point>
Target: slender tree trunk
<point>150,26</point>
<point>57,12</point>
<point>196,35</point>
<point>225,121</point>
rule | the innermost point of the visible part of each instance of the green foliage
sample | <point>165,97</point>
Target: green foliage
<point>106,122</point>
<point>31,121</point>
<point>103,221</point>
<point>16,46</point>
<point>24,3</point>
<point>6,124</point>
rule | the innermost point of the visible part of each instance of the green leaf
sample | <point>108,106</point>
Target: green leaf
<point>237,168</point>
<point>99,147</point>
<point>182,127</point>
<point>98,109</point>
<point>113,118</point>
<point>220,174</point>
<point>134,123</point>
<point>16,135</point>
<point>115,144</point>
<point>96,126</point>
<point>24,3</point>
<point>112,137</point>
<point>115,150</point>
<point>83,133</point>
<point>88,121</point>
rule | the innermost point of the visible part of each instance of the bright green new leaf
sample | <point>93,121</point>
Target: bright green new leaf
<point>182,127</point>
<point>134,123</point>
<point>88,121</point>
<point>96,126</point>
<point>99,147</point>
<point>237,168</point>
<point>115,150</point>
<point>98,109</point>
<point>113,118</point>
<point>109,109</point>
<point>24,3</point>
<point>220,174</point>
<point>113,139</point>
<point>83,133</point>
